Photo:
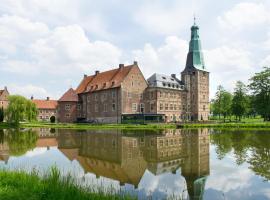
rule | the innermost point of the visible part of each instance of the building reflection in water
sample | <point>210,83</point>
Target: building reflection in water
<point>126,155</point>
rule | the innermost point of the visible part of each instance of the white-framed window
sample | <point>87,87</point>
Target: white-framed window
<point>151,107</point>
<point>67,115</point>
<point>104,96</point>
<point>113,94</point>
<point>142,107</point>
<point>166,106</point>
<point>113,107</point>
<point>96,97</point>
<point>78,106</point>
<point>96,107</point>
<point>105,107</point>
<point>67,107</point>
<point>40,117</point>
<point>88,98</point>
<point>161,106</point>
<point>134,107</point>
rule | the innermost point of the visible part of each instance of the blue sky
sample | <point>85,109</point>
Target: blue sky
<point>46,46</point>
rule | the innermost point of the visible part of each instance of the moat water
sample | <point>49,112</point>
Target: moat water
<point>204,164</point>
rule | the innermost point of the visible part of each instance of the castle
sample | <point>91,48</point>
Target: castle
<point>123,95</point>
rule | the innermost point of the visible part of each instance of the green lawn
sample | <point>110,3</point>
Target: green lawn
<point>23,186</point>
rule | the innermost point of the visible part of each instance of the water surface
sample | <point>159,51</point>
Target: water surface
<point>190,164</point>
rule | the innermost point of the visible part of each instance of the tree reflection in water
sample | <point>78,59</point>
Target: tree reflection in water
<point>252,147</point>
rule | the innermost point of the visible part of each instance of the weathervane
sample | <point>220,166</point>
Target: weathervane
<point>194,17</point>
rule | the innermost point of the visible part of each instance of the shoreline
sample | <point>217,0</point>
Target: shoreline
<point>260,125</point>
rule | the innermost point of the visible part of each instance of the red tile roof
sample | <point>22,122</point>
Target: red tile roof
<point>69,95</point>
<point>104,80</point>
<point>45,104</point>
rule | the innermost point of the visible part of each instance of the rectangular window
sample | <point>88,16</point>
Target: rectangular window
<point>175,108</point>
<point>166,106</point>
<point>67,107</point>
<point>67,115</point>
<point>152,95</point>
<point>151,107</point>
<point>96,97</point>
<point>129,95</point>
<point>113,94</point>
<point>105,108</point>
<point>134,107</point>
<point>78,107</point>
<point>142,108</point>
<point>171,106</point>
<point>104,96</point>
<point>113,107</point>
<point>161,106</point>
<point>160,94</point>
<point>96,107</point>
<point>88,98</point>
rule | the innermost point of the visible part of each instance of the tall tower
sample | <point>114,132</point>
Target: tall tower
<point>196,79</point>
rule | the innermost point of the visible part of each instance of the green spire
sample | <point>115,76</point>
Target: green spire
<point>195,55</point>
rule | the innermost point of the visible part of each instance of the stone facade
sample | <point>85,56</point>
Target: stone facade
<point>4,98</point>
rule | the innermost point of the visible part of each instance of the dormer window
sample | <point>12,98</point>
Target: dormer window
<point>96,86</point>
<point>104,84</point>
<point>164,84</point>
<point>164,77</point>
<point>113,83</point>
<point>169,85</point>
<point>172,79</point>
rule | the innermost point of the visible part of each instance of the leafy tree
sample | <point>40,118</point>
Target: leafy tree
<point>260,87</point>
<point>222,103</point>
<point>20,109</point>
<point>1,114</point>
<point>240,101</point>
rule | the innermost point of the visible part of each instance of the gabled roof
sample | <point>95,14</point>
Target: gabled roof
<point>45,104</point>
<point>104,80</point>
<point>69,95</point>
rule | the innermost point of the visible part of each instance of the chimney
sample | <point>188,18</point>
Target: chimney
<point>84,76</point>
<point>121,66</point>
<point>173,75</point>
<point>96,72</point>
<point>32,97</point>
<point>135,63</point>
<point>48,98</point>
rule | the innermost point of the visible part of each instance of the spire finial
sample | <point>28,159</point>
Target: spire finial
<point>194,18</point>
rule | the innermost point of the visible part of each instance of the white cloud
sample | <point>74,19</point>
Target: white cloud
<point>163,19</point>
<point>34,49</point>
<point>29,90</point>
<point>244,15</point>
<point>168,58</point>
<point>228,65</point>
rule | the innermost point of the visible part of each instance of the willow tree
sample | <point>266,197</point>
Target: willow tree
<point>20,109</point>
<point>260,87</point>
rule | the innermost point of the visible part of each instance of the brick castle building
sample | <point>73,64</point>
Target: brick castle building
<point>124,95</point>
<point>4,98</point>
<point>47,109</point>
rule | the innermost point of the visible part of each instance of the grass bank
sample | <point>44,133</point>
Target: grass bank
<point>89,126</point>
<point>23,186</point>
<point>265,125</point>
<point>209,124</point>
